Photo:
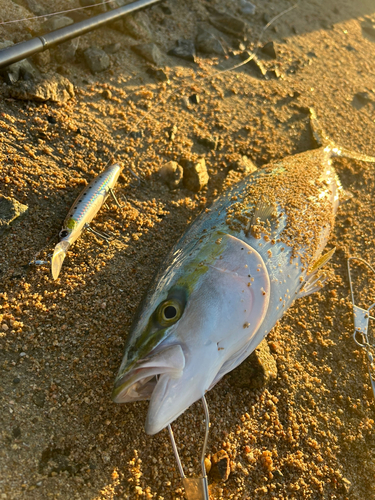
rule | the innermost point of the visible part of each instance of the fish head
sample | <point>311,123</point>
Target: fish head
<point>205,306</point>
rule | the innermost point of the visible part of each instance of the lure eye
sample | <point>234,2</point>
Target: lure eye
<point>169,312</point>
<point>63,233</point>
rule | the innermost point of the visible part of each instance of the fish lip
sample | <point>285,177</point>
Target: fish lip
<point>153,425</point>
<point>122,380</point>
<point>122,383</point>
<point>58,257</point>
<point>169,360</point>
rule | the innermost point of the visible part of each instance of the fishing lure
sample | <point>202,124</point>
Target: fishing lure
<point>229,279</point>
<point>82,212</point>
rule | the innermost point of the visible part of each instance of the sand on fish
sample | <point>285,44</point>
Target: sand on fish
<point>309,435</point>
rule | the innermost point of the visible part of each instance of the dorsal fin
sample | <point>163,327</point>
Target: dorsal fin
<point>324,140</point>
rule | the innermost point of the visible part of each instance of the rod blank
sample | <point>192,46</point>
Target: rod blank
<point>21,50</point>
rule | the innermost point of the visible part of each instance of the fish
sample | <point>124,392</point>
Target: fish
<point>228,280</point>
<point>84,209</point>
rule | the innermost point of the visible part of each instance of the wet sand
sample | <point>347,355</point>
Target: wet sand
<point>310,434</point>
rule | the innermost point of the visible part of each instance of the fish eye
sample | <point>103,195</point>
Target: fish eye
<point>169,312</point>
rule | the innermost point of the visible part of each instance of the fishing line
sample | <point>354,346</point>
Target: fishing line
<point>220,72</point>
<point>55,13</point>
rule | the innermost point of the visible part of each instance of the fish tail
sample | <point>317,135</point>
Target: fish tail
<point>58,257</point>
<point>324,140</point>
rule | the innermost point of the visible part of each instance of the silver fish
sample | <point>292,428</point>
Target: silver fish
<point>229,279</point>
<point>82,212</point>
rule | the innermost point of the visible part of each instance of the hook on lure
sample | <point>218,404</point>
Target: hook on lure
<point>103,236</point>
<point>361,319</point>
<point>195,488</point>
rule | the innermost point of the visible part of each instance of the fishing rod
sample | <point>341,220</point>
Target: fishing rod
<point>21,50</point>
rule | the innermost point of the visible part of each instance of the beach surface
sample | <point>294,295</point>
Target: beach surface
<point>309,434</point>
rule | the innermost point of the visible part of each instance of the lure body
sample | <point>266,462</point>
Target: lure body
<point>82,212</point>
<point>228,280</point>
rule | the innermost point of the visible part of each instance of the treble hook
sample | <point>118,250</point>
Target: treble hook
<point>115,198</point>
<point>361,319</point>
<point>195,488</point>
<point>104,236</point>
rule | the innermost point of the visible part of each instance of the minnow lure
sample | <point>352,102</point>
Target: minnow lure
<point>229,279</point>
<point>82,212</point>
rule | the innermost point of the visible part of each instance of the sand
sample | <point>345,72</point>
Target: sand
<point>310,434</point>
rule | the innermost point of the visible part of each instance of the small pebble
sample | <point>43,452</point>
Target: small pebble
<point>256,65</point>
<point>137,26</point>
<point>150,52</point>
<point>274,73</point>
<point>247,8</point>
<point>257,371</point>
<point>194,99</point>
<point>184,49</point>
<point>39,399</point>
<point>96,59</point>
<point>48,87</point>
<point>166,10</point>
<point>208,142</point>
<point>220,466</point>
<point>361,99</point>
<point>136,134</point>
<point>195,174</point>
<point>207,43</point>
<point>16,432</point>
<point>107,94</point>
<point>112,48</point>
<point>229,24</point>
<point>159,74</point>
<point>269,49</point>
<point>66,52</point>
<point>172,133</point>
<point>171,173</point>
<point>243,164</point>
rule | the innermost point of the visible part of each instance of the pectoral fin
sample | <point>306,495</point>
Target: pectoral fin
<point>58,258</point>
<point>315,280</point>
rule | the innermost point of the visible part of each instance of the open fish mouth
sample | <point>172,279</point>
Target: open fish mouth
<point>139,383</point>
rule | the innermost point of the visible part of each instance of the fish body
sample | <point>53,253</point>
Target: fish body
<point>228,280</point>
<point>84,209</point>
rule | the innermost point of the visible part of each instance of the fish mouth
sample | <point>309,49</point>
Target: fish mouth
<point>139,383</point>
